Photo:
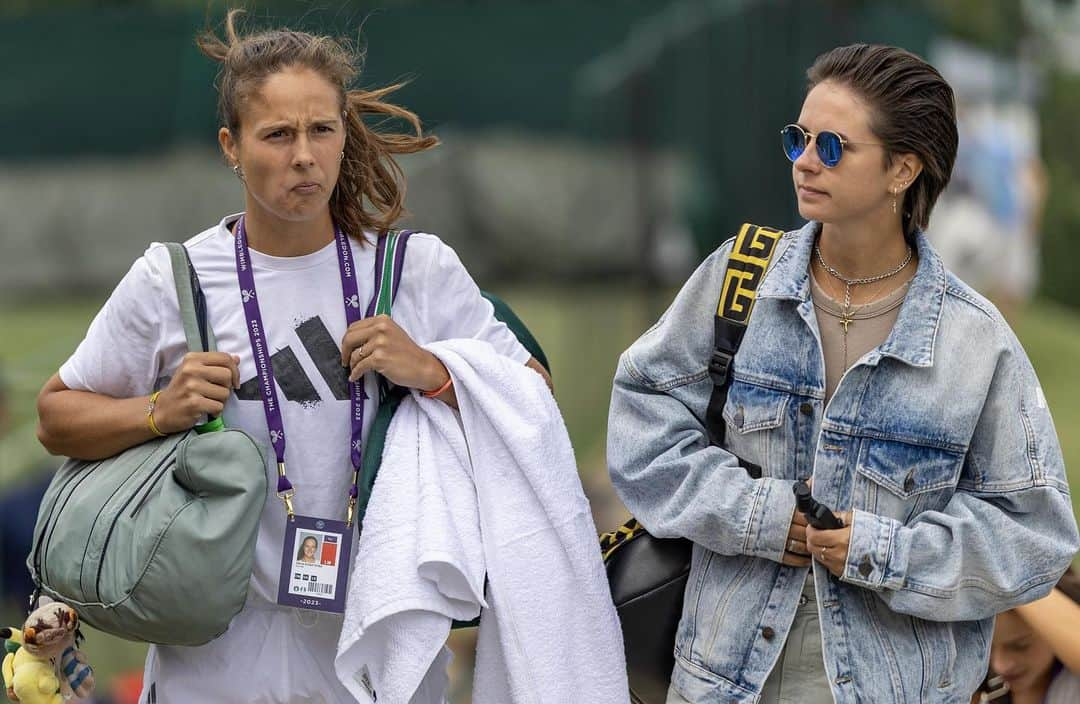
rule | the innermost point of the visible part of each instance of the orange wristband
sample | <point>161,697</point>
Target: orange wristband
<point>439,391</point>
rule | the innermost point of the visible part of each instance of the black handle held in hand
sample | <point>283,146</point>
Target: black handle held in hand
<point>817,514</point>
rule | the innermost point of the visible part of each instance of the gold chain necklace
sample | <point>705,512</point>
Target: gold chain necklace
<point>846,318</point>
<point>847,313</point>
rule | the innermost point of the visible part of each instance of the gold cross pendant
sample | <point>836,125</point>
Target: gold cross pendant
<point>845,321</point>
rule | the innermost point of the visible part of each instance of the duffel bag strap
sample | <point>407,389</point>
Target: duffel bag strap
<point>746,267</point>
<point>197,330</point>
<point>200,337</point>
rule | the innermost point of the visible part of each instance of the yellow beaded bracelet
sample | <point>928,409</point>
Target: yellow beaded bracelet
<point>150,415</point>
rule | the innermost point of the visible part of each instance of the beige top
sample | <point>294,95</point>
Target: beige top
<point>869,327</point>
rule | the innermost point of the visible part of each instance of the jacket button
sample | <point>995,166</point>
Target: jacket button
<point>768,633</point>
<point>909,481</point>
<point>738,417</point>
<point>865,567</point>
<point>806,409</point>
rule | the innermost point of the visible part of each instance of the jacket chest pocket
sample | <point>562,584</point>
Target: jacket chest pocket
<point>754,416</point>
<point>901,480</point>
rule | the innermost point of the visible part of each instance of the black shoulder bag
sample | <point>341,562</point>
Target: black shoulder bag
<point>648,575</point>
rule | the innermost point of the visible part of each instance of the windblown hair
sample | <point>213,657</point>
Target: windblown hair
<point>913,111</point>
<point>370,191</point>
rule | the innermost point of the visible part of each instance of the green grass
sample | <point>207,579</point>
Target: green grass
<point>1051,336</point>
<point>582,329</point>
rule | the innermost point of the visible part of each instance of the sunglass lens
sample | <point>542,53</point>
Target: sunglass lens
<point>794,141</point>
<point>829,148</point>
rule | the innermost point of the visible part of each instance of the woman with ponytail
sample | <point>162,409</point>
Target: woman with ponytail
<point>321,189</point>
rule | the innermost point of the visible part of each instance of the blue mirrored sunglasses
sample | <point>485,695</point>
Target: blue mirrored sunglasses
<point>829,145</point>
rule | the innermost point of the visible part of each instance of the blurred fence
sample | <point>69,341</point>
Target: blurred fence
<point>643,89</point>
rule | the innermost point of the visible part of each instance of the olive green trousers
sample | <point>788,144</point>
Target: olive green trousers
<point>799,676</point>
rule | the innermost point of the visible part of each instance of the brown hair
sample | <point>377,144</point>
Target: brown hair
<point>300,550</point>
<point>369,175</point>
<point>913,111</point>
<point>1070,584</point>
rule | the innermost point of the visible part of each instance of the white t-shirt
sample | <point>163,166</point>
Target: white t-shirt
<point>1064,688</point>
<point>136,342</point>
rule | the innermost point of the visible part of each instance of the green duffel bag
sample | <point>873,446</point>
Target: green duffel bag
<point>157,543</point>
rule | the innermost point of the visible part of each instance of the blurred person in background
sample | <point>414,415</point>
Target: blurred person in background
<point>870,370</point>
<point>319,185</point>
<point>1001,162</point>
<point>19,501</point>
<point>1035,654</point>
<point>987,224</point>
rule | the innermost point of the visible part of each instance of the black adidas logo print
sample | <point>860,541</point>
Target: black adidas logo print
<point>322,349</point>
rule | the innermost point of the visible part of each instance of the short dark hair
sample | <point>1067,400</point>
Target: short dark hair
<point>912,111</point>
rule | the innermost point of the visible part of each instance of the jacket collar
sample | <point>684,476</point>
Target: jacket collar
<point>913,336</point>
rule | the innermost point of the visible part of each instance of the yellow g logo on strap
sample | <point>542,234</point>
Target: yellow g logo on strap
<point>745,268</point>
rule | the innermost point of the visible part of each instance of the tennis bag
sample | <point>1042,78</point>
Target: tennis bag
<point>648,575</point>
<point>157,543</point>
<point>390,396</point>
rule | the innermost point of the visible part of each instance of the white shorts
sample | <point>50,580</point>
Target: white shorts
<point>269,655</point>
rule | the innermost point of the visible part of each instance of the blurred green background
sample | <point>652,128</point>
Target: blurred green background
<point>593,154</point>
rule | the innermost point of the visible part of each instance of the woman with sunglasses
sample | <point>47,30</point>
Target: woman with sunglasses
<point>875,374</point>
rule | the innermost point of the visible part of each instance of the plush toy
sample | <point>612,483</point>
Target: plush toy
<point>42,665</point>
<point>12,642</point>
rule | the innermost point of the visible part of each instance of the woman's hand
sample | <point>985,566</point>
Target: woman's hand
<point>201,386</point>
<point>830,547</point>
<point>795,552</point>
<point>378,344</point>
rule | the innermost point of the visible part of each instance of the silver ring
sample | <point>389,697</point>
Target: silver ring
<point>792,544</point>
<point>823,553</point>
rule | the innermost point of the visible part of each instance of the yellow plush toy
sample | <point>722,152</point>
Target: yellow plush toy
<point>45,667</point>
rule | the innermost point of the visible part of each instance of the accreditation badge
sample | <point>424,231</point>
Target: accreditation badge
<point>315,564</point>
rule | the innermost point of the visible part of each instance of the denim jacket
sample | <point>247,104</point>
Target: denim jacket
<point>939,440</point>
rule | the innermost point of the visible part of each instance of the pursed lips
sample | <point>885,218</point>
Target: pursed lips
<point>306,188</point>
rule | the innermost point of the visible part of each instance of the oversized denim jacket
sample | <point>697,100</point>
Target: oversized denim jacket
<point>939,439</point>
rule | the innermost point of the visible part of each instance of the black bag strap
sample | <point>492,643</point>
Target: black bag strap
<point>746,267</point>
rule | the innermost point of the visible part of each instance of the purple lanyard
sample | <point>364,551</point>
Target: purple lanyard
<point>263,365</point>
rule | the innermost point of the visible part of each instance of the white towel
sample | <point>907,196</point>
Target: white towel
<point>419,561</point>
<point>551,633</point>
